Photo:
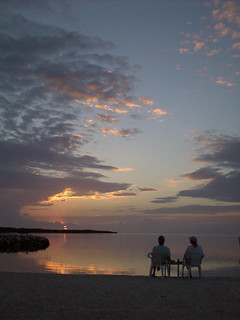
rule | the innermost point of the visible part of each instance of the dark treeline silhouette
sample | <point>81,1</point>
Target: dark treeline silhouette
<point>38,230</point>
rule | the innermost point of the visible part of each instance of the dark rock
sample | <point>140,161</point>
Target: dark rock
<point>19,242</point>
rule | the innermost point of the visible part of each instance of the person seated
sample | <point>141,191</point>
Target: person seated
<point>193,249</point>
<point>161,248</point>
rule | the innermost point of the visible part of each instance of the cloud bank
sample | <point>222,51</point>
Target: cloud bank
<point>220,178</point>
<point>52,81</point>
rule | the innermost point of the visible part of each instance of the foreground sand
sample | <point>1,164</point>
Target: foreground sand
<point>26,296</point>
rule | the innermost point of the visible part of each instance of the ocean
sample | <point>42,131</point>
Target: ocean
<point>122,254</point>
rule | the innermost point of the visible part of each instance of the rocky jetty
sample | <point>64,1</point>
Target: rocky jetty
<point>19,242</point>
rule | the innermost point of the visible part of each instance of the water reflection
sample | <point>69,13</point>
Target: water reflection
<point>120,254</point>
<point>61,268</point>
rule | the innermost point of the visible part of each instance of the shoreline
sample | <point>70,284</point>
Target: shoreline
<point>58,296</point>
<point>38,230</point>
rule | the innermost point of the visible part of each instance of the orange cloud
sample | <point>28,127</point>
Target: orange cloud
<point>157,113</point>
<point>120,133</point>
<point>90,122</point>
<point>222,29</point>
<point>183,50</point>
<point>68,194</point>
<point>221,81</point>
<point>103,106</point>
<point>198,45</point>
<point>131,105</point>
<point>146,101</point>
<point>121,111</point>
<point>61,196</point>
<point>106,118</point>
<point>123,169</point>
<point>213,52</point>
<point>236,45</point>
<point>230,11</point>
<point>174,181</point>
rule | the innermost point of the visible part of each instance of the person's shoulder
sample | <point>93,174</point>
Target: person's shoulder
<point>189,248</point>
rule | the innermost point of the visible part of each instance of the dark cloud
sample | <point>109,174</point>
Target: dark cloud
<point>203,173</point>
<point>223,152</point>
<point>49,78</point>
<point>165,200</point>
<point>147,189</point>
<point>125,194</point>
<point>223,188</point>
<point>128,132</point>
<point>195,209</point>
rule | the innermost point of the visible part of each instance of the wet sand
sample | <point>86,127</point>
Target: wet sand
<point>32,296</point>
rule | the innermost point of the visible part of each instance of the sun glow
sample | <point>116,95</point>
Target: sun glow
<point>68,194</point>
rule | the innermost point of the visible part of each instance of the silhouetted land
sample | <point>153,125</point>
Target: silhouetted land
<point>38,230</point>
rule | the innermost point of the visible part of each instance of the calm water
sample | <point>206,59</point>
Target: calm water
<point>121,254</point>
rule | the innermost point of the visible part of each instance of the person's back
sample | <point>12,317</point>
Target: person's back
<point>193,248</point>
<point>191,256</point>
<point>160,248</point>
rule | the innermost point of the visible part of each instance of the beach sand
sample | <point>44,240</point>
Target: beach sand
<point>29,296</point>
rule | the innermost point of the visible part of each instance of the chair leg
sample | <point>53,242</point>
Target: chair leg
<point>150,271</point>
<point>200,272</point>
<point>169,270</point>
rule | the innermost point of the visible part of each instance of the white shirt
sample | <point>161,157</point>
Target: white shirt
<point>191,250</point>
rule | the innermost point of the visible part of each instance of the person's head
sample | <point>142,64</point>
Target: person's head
<point>161,240</point>
<point>193,241</point>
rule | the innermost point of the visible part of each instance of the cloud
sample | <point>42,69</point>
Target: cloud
<point>164,200</point>
<point>198,45</point>
<point>52,81</point>
<point>211,39</point>
<point>222,188</point>
<point>236,45</point>
<point>229,11</point>
<point>146,101</point>
<point>213,52</point>
<point>147,189</point>
<point>125,194</point>
<point>195,209</point>
<point>222,150</point>
<point>184,50</point>
<point>224,153</point>
<point>106,118</point>
<point>121,133</point>
<point>156,113</point>
<point>221,81</point>
<point>205,173</point>
<point>220,178</point>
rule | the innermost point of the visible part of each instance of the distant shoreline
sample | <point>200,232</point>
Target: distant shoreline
<point>38,230</point>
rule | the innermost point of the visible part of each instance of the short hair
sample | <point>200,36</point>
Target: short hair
<point>161,239</point>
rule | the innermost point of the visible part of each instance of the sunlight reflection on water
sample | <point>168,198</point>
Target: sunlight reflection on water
<point>121,254</point>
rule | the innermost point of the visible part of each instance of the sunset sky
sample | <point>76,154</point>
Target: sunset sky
<point>120,115</point>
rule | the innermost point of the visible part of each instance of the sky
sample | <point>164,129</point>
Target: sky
<point>120,115</point>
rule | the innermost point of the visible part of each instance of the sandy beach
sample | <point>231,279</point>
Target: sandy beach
<point>52,296</point>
